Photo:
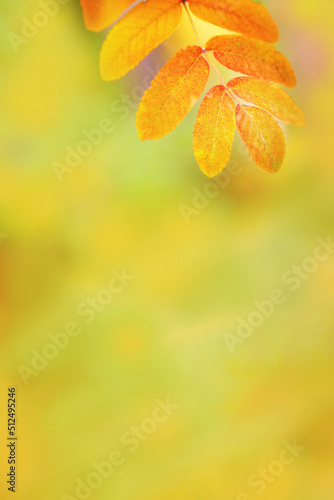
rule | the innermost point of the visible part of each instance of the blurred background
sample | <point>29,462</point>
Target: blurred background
<point>121,207</point>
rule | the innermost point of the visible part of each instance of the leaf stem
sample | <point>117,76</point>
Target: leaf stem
<point>202,45</point>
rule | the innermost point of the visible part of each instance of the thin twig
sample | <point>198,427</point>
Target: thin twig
<point>208,58</point>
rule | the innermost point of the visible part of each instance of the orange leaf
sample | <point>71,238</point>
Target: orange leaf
<point>139,32</point>
<point>253,58</point>
<point>262,136</point>
<point>214,131</point>
<point>99,14</point>
<point>173,93</point>
<point>269,97</point>
<point>243,16</point>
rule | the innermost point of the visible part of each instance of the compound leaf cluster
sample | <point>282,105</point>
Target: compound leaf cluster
<point>251,104</point>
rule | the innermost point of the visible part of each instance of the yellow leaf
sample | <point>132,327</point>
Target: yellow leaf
<point>99,14</point>
<point>269,97</point>
<point>214,131</point>
<point>253,58</point>
<point>139,32</point>
<point>243,16</point>
<point>173,93</point>
<point>262,136</point>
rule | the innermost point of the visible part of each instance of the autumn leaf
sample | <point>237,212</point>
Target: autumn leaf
<point>269,97</point>
<point>99,14</point>
<point>173,93</point>
<point>243,16</point>
<point>262,136</point>
<point>252,58</point>
<point>139,32</point>
<point>214,131</point>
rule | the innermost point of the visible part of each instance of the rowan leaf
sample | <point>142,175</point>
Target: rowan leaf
<point>99,14</point>
<point>252,58</point>
<point>140,31</point>
<point>262,136</point>
<point>268,97</point>
<point>172,94</point>
<point>214,131</point>
<point>146,24</point>
<point>243,16</point>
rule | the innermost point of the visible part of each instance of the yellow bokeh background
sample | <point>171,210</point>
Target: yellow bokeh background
<point>163,336</point>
